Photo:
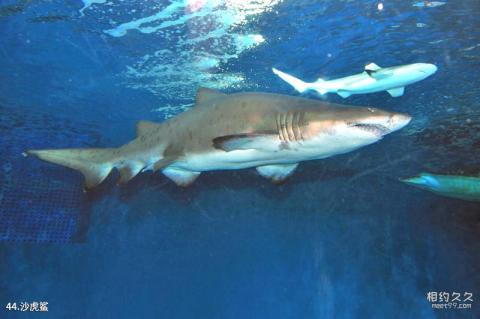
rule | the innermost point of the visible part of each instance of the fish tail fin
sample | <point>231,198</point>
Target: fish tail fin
<point>95,163</point>
<point>298,84</point>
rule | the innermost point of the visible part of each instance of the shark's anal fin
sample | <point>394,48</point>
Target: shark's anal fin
<point>205,95</point>
<point>258,141</point>
<point>145,127</point>
<point>396,92</point>
<point>180,176</point>
<point>277,173</point>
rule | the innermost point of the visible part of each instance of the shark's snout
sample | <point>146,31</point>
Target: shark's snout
<point>398,121</point>
<point>427,68</point>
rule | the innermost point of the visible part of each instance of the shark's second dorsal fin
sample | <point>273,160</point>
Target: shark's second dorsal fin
<point>143,127</point>
<point>204,95</point>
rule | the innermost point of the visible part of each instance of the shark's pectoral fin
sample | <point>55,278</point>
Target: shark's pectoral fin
<point>343,93</point>
<point>228,143</point>
<point>277,173</point>
<point>180,176</point>
<point>396,92</point>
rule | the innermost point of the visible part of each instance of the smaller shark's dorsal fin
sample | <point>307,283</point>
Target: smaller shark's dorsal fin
<point>143,127</point>
<point>204,95</point>
<point>376,72</point>
<point>372,67</point>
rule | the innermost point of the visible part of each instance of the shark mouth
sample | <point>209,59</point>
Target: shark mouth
<point>376,129</point>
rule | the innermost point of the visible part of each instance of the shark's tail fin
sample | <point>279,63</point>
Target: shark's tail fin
<point>95,163</point>
<point>298,84</point>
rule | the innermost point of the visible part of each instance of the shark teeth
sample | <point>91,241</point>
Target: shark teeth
<point>376,129</point>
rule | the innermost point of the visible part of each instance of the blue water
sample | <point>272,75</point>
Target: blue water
<point>343,238</point>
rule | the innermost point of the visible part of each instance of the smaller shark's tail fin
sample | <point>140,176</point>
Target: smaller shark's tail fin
<point>95,164</point>
<point>298,84</point>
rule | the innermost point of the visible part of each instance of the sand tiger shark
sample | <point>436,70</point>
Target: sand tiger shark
<point>373,79</point>
<point>270,132</point>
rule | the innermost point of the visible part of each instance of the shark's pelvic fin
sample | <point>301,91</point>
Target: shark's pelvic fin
<point>164,162</point>
<point>180,176</point>
<point>94,164</point>
<point>146,127</point>
<point>344,93</point>
<point>207,95</point>
<point>277,173</point>
<point>230,143</point>
<point>397,91</point>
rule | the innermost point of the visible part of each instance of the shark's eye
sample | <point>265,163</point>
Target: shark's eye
<point>371,110</point>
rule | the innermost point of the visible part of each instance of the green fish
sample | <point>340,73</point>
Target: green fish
<point>455,186</point>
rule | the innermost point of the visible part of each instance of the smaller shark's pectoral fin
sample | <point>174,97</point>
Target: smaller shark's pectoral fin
<point>396,92</point>
<point>230,143</point>
<point>277,173</point>
<point>180,176</point>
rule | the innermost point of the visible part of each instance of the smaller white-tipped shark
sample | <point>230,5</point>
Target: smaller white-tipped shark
<point>373,79</point>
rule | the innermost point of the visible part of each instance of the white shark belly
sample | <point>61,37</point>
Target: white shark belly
<point>367,84</point>
<point>240,159</point>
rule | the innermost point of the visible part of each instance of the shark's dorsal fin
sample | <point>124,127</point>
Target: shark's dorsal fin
<point>144,127</point>
<point>377,72</point>
<point>372,67</point>
<point>204,95</point>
